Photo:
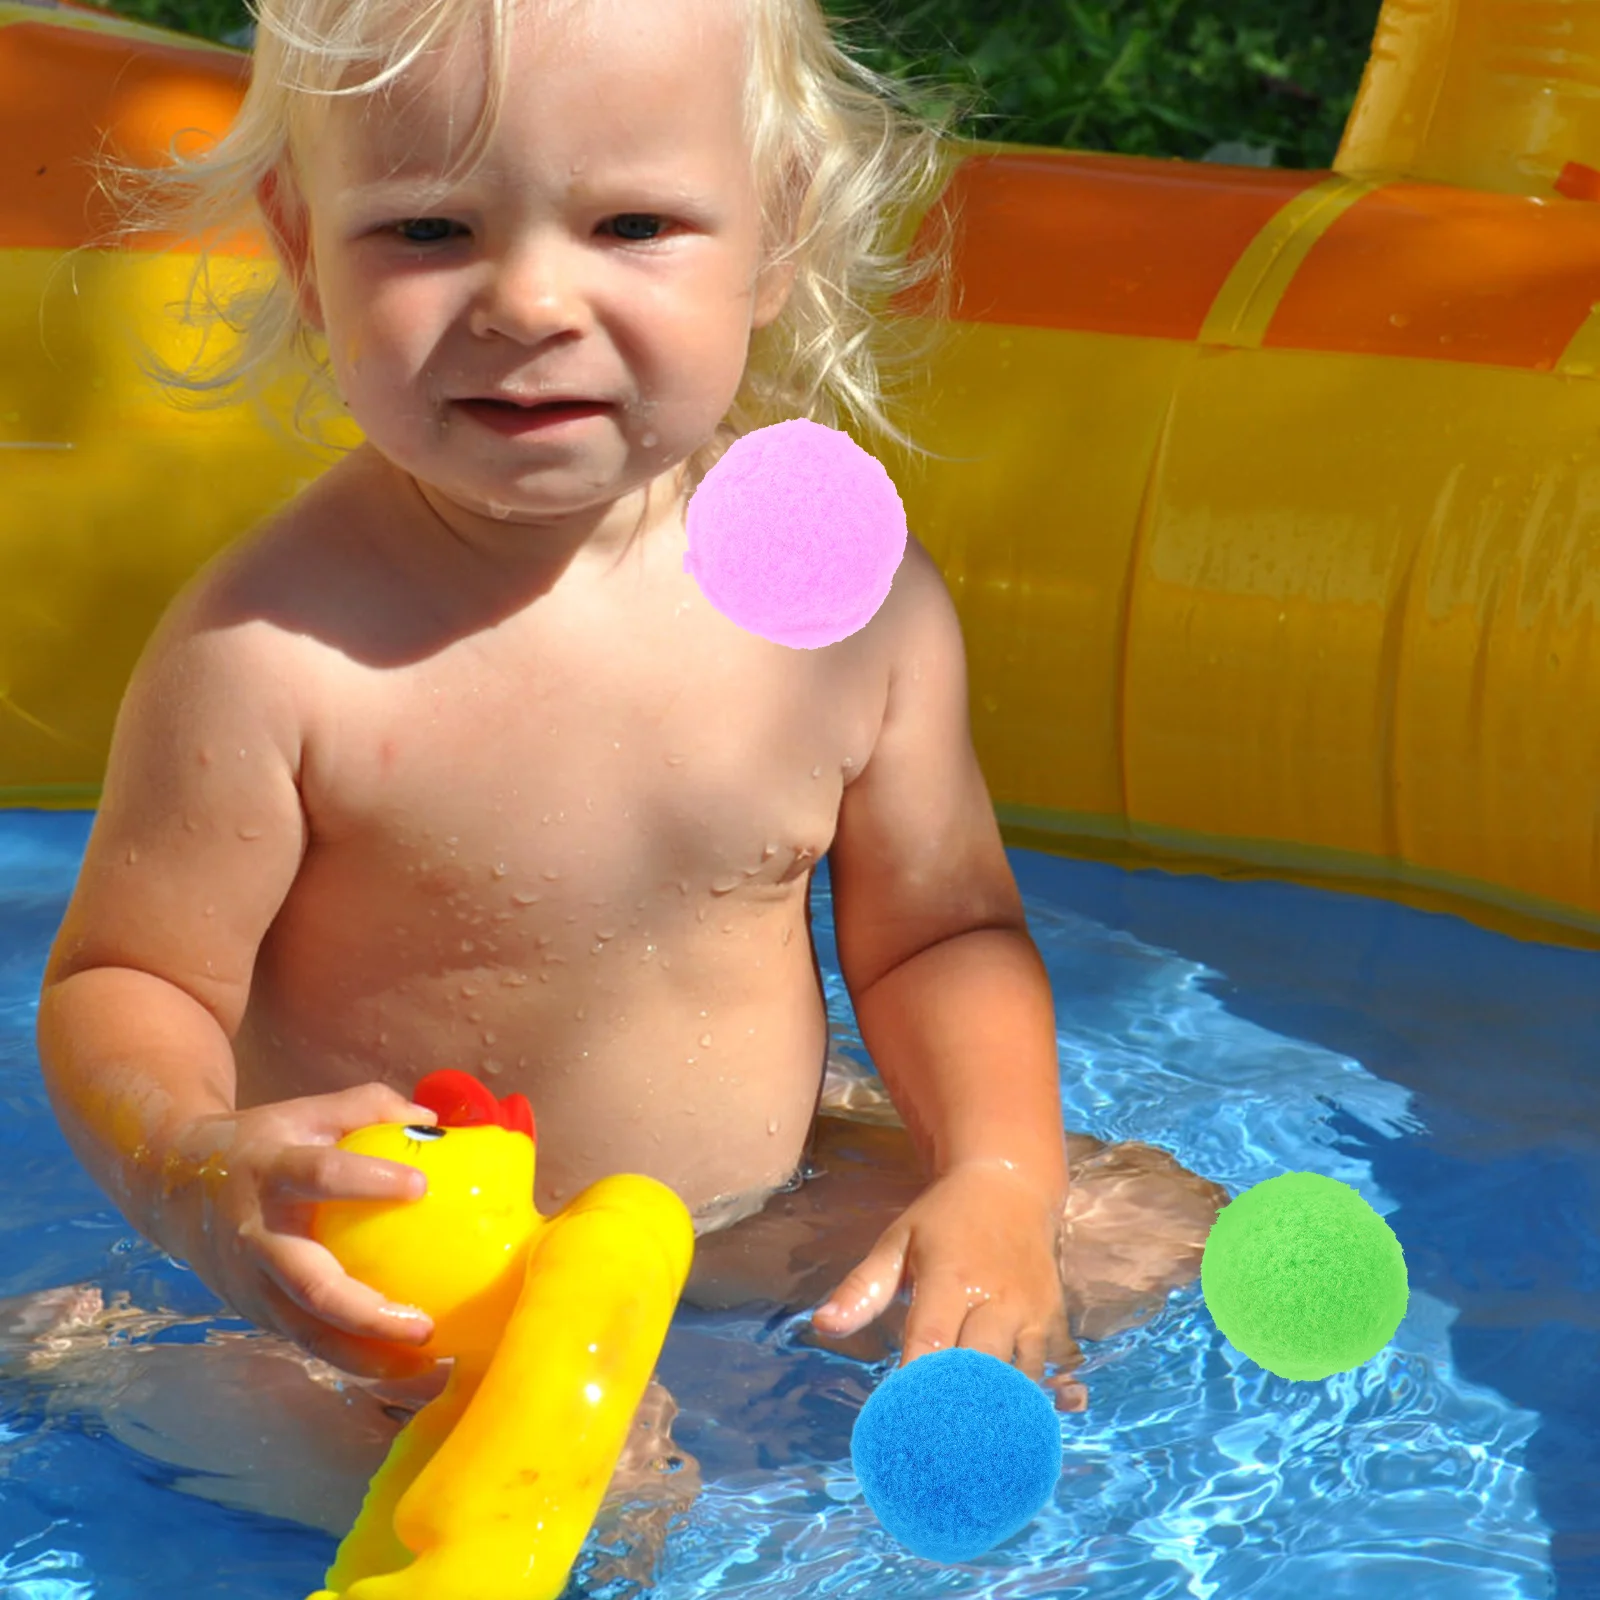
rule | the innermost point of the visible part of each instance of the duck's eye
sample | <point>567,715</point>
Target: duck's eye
<point>415,1132</point>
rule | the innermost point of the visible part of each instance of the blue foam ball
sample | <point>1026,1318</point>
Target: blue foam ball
<point>955,1452</point>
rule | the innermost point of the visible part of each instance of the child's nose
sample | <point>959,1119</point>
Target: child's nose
<point>533,290</point>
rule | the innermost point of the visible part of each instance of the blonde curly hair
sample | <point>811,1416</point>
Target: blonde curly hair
<point>845,158</point>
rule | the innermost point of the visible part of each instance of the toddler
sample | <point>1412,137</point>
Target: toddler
<point>449,764</point>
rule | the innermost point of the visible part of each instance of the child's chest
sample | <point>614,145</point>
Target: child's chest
<point>593,755</point>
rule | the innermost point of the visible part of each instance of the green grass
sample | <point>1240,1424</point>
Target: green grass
<point>1144,77</point>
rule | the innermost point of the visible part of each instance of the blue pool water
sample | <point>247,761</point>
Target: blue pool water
<point>1451,1075</point>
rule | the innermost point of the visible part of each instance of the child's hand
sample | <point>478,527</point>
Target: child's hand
<point>979,1247</point>
<point>252,1239</point>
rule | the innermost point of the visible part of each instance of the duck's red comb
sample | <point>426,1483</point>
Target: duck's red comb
<point>458,1100</point>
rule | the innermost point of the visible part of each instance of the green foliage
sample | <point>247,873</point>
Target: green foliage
<point>1144,77</point>
<point>209,19</point>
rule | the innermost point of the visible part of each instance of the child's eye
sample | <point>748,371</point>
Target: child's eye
<point>629,225</point>
<point>422,222</point>
<point>648,218</point>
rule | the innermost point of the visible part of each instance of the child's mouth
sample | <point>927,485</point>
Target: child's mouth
<point>506,417</point>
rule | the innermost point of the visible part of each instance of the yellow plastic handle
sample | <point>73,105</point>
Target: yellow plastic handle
<point>490,1491</point>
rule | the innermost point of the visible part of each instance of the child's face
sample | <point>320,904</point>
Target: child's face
<point>607,247</point>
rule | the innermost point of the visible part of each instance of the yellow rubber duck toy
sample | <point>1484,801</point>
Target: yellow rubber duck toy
<point>555,1324</point>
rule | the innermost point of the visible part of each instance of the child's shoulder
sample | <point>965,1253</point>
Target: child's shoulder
<point>258,636</point>
<point>918,615</point>
<point>285,567</point>
<point>292,590</point>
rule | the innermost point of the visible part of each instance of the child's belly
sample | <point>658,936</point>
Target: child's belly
<point>684,1040</point>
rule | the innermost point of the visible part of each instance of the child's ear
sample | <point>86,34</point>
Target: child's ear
<point>287,223</point>
<point>774,284</point>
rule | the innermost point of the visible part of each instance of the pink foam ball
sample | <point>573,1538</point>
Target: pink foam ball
<point>796,534</point>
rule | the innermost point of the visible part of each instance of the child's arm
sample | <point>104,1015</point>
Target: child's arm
<point>955,1007</point>
<point>197,840</point>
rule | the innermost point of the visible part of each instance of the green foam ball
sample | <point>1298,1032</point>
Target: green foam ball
<point>1303,1276</point>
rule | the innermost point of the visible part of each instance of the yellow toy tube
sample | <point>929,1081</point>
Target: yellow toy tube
<point>1267,502</point>
<point>489,1492</point>
<point>503,1507</point>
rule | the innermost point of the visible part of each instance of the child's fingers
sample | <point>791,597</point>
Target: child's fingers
<point>938,1312</point>
<point>301,1172</point>
<point>366,1104</point>
<point>314,1281</point>
<point>366,1358</point>
<point>995,1328</point>
<point>866,1292</point>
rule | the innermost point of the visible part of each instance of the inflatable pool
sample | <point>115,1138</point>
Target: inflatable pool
<point>1273,513</point>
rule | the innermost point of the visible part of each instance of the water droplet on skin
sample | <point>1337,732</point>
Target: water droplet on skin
<point>544,977</point>
<point>491,1067</point>
<point>721,886</point>
<point>383,1038</point>
<point>649,950</point>
<point>683,886</point>
<point>514,980</point>
<point>550,875</point>
<point>727,927</point>
<point>602,934</point>
<point>580,1013</point>
<point>498,511</point>
<point>467,947</point>
<point>816,772</point>
<point>489,1037</point>
<point>772,1124</point>
<point>648,441</point>
<point>132,856</point>
<point>520,897</point>
<point>249,833</point>
<point>705,1040</point>
<point>676,761</point>
<point>189,825</point>
<point>769,852</point>
<point>211,911</point>
<point>474,1016</point>
<point>788,934</point>
<point>499,869</point>
<point>243,752</point>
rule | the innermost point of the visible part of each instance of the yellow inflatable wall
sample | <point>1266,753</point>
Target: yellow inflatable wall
<point>1276,528</point>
